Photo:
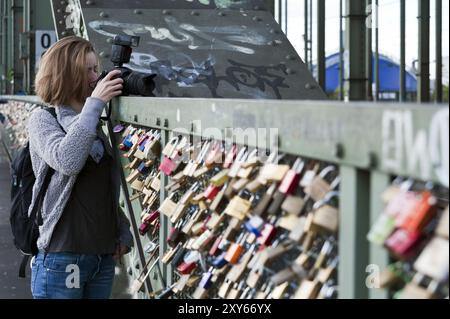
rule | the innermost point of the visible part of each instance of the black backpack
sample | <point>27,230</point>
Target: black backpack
<point>25,229</point>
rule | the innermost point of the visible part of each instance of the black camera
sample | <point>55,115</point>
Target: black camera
<point>135,83</point>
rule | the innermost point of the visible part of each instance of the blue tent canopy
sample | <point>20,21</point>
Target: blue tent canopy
<point>389,75</point>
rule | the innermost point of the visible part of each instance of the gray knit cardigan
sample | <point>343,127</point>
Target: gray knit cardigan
<point>67,154</point>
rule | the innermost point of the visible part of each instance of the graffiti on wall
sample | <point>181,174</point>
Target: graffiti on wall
<point>426,151</point>
<point>232,38</point>
<point>168,58</point>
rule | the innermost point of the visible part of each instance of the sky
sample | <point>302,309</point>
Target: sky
<point>389,29</point>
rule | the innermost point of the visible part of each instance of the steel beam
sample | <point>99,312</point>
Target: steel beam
<point>321,60</point>
<point>355,43</point>
<point>369,53</point>
<point>402,93</point>
<point>377,54</point>
<point>438,83</point>
<point>423,85</point>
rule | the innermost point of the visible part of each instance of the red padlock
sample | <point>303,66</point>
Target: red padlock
<point>215,247</point>
<point>290,181</point>
<point>423,212</point>
<point>401,242</point>
<point>211,191</point>
<point>231,155</point>
<point>186,268</point>
<point>167,166</point>
<point>267,234</point>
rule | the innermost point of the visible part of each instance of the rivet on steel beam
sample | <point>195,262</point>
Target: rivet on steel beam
<point>58,10</point>
<point>257,19</point>
<point>60,21</point>
<point>166,12</point>
<point>290,57</point>
<point>63,2</point>
<point>274,31</point>
<point>290,71</point>
<point>338,150</point>
<point>64,33</point>
<point>194,13</point>
<point>137,11</point>
<point>89,2</point>
<point>271,43</point>
<point>222,14</point>
<point>103,14</point>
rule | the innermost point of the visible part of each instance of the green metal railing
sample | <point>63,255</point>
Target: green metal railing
<point>370,143</point>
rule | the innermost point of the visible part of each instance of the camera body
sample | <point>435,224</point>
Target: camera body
<point>135,83</point>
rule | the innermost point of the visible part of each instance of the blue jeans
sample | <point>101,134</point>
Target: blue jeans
<point>72,276</point>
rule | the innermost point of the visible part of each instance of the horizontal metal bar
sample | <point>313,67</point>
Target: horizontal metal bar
<point>409,140</point>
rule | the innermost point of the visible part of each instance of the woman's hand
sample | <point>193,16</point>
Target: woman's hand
<point>121,250</point>
<point>107,88</point>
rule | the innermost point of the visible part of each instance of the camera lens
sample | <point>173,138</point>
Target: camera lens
<point>138,83</point>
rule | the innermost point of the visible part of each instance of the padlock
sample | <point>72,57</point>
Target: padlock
<point>186,268</point>
<point>282,276</point>
<point>279,291</point>
<point>319,188</point>
<point>206,280</point>
<point>168,166</point>
<point>203,240</point>
<point>191,220</point>
<point>433,261</point>
<point>382,229</point>
<point>293,205</point>
<point>235,250</point>
<point>415,290</point>
<point>308,289</point>
<point>287,186</point>
<point>231,155</point>
<point>240,158</point>
<point>211,191</point>
<point>174,236</point>
<point>326,217</point>
<point>168,206</point>
<point>261,207</point>
<point>237,270</point>
<point>425,210</point>
<point>238,207</point>
<point>220,261</point>
<point>170,146</point>
<point>309,176</point>
<point>178,256</point>
<point>193,164</point>
<point>401,242</point>
<point>298,230</point>
<point>255,225</point>
<point>220,178</point>
<point>267,234</point>
<point>248,165</point>
<point>271,171</point>
<point>215,155</point>
<point>442,228</point>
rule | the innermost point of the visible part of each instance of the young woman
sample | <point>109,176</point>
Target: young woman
<point>84,231</point>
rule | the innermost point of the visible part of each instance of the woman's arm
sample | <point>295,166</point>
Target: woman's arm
<point>65,153</point>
